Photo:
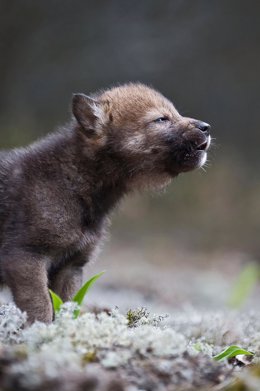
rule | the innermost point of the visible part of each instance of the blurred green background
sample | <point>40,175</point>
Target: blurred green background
<point>204,55</point>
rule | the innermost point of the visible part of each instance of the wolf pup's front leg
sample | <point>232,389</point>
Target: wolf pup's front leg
<point>26,275</point>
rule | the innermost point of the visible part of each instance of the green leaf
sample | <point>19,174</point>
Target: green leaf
<point>244,285</point>
<point>197,347</point>
<point>79,297</point>
<point>56,301</point>
<point>232,351</point>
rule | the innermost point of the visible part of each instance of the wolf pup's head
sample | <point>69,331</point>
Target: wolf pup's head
<point>138,127</point>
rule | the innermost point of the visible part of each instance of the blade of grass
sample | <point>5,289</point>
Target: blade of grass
<point>244,285</point>
<point>232,351</point>
<point>79,297</point>
<point>56,301</point>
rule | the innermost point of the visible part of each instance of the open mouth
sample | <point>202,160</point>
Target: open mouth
<point>204,146</point>
<point>192,156</point>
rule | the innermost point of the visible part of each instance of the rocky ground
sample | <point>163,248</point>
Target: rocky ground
<point>178,320</point>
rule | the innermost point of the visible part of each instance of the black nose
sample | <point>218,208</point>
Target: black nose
<point>203,126</point>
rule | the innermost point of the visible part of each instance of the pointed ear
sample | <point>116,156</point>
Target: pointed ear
<point>85,110</point>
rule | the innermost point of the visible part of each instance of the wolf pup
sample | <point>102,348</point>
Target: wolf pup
<point>56,194</point>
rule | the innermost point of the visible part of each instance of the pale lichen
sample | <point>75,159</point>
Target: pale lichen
<point>12,320</point>
<point>186,344</point>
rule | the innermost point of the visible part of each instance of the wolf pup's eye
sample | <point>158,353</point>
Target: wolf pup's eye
<point>161,119</point>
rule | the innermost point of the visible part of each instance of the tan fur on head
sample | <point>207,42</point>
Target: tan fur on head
<point>134,103</point>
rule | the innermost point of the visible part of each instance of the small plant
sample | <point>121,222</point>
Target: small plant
<point>141,316</point>
<point>79,296</point>
<point>244,285</point>
<point>232,351</point>
<point>134,316</point>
